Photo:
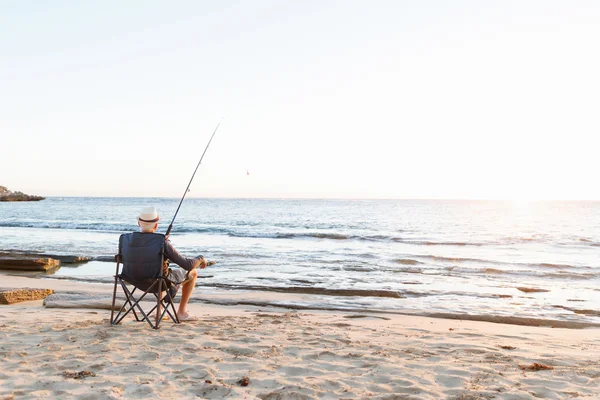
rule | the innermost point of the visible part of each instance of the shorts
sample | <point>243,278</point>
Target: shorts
<point>177,276</point>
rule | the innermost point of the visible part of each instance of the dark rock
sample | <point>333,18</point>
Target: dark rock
<point>245,381</point>
<point>531,290</point>
<point>7,195</point>
<point>64,259</point>
<point>105,258</point>
<point>68,259</point>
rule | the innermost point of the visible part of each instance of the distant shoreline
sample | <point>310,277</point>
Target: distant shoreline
<point>9,199</point>
<point>8,196</point>
<point>330,199</point>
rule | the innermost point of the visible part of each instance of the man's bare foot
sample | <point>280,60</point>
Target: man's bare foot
<point>186,316</point>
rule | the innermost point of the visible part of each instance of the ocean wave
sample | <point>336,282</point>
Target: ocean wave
<point>568,275</point>
<point>456,270</point>
<point>320,290</point>
<point>343,236</point>
<point>429,243</point>
<point>233,230</point>
<point>251,255</point>
<point>435,243</point>
<point>254,230</point>
<point>589,242</point>
<point>113,227</point>
<point>318,235</point>
<point>407,270</point>
<point>92,226</point>
<point>454,259</point>
<point>407,261</point>
<point>522,239</point>
<point>594,313</point>
<point>511,320</point>
<point>492,271</point>
<point>459,260</point>
<point>359,268</point>
<point>550,265</point>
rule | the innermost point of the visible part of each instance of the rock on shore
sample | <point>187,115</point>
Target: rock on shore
<point>12,296</point>
<point>101,301</point>
<point>7,195</point>
<point>64,259</point>
<point>28,263</point>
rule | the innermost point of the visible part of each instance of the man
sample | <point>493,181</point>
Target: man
<point>148,223</point>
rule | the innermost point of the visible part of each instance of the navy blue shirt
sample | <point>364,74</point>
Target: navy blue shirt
<point>186,263</point>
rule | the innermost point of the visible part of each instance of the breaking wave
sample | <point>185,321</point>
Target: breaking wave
<point>459,260</point>
<point>521,272</point>
<point>407,261</point>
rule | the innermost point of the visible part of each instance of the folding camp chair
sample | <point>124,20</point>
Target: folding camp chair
<point>144,270</point>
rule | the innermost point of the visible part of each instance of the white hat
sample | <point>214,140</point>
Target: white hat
<point>148,214</point>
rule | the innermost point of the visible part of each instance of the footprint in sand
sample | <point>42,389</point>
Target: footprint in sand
<point>211,391</point>
<point>148,356</point>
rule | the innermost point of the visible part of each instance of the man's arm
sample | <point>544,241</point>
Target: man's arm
<point>185,263</point>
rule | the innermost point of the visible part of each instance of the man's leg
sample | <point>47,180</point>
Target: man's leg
<point>186,293</point>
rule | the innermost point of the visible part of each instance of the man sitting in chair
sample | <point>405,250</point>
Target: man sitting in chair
<point>148,222</point>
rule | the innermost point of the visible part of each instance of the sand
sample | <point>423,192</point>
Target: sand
<point>281,354</point>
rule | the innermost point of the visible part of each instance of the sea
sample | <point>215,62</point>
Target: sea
<point>459,259</point>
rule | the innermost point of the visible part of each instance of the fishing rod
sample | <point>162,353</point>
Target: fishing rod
<point>187,189</point>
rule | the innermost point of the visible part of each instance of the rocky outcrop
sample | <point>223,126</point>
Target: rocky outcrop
<point>11,296</point>
<point>105,258</point>
<point>64,259</point>
<point>16,260</point>
<point>68,259</point>
<point>82,300</point>
<point>28,263</point>
<point>7,195</point>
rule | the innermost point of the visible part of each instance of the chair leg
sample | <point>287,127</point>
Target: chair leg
<point>112,309</point>
<point>158,304</point>
<point>116,319</point>
<point>136,304</point>
<point>166,302</point>
<point>138,319</point>
<point>128,297</point>
<point>131,303</point>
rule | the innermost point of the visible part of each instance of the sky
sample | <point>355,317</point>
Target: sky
<point>318,99</point>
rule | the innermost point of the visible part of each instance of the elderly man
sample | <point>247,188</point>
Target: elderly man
<point>148,223</point>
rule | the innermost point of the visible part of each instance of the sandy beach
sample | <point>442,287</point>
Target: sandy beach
<point>376,200</point>
<point>75,353</point>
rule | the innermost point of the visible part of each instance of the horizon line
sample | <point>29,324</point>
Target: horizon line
<point>335,198</point>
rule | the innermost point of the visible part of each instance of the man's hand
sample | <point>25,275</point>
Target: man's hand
<point>203,262</point>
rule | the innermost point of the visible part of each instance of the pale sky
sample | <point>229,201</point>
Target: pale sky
<point>359,99</point>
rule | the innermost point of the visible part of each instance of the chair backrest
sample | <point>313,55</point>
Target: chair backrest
<point>142,255</point>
